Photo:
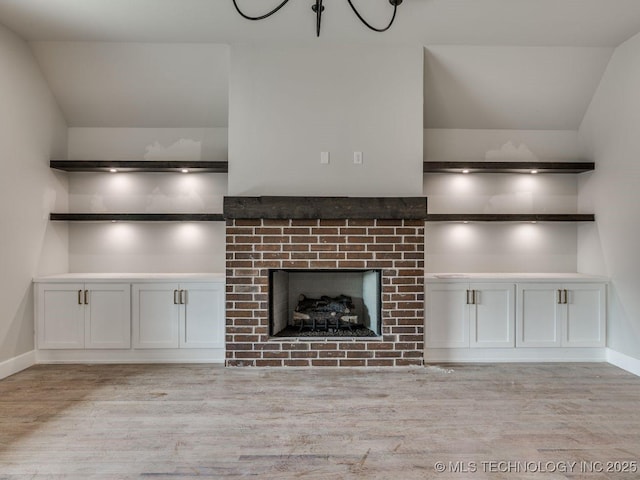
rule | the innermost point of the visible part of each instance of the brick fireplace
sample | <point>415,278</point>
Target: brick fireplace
<point>324,233</point>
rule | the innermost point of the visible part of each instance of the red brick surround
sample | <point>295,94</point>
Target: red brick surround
<point>255,246</point>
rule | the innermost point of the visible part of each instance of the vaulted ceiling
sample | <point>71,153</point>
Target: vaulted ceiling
<point>138,84</point>
<point>523,88</point>
<point>592,23</point>
<point>508,64</point>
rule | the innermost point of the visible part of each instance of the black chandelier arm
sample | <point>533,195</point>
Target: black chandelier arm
<point>318,9</point>
<point>261,17</point>
<point>395,4</point>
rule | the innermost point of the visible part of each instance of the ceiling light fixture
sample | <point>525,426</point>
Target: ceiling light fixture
<point>533,172</point>
<point>465,170</point>
<point>318,8</point>
<point>113,170</point>
<point>185,170</point>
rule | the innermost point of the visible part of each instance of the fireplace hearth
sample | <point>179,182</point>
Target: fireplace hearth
<point>371,250</point>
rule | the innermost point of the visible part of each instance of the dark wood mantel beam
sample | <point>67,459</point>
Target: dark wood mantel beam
<point>387,208</point>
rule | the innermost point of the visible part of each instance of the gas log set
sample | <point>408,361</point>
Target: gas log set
<point>325,313</point>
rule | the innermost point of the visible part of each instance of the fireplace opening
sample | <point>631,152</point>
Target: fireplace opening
<point>325,303</point>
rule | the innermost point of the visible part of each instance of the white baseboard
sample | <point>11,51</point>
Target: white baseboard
<point>17,364</point>
<point>625,362</point>
<point>191,355</point>
<point>504,355</point>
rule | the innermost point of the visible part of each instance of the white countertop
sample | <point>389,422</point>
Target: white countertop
<point>538,277</point>
<point>131,277</point>
<point>218,277</point>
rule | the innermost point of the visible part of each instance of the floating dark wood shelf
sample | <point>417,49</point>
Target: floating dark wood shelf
<point>137,217</point>
<point>139,166</point>
<point>508,167</point>
<point>509,217</point>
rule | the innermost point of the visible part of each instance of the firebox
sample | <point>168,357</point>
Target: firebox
<point>325,303</point>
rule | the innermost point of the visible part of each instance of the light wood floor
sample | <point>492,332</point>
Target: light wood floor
<point>186,421</point>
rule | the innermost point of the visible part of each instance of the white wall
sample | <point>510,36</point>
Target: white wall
<point>148,144</point>
<point>611,135</point>
<point>31,131</point>
<point>288,104</point>
<point>501,193</point>
<point>501,247</point>
<point>501,145</point>
<point>147,247</point>
<point>182,247</point>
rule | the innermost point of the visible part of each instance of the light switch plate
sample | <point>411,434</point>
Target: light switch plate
<point>324,158</point>
<point>357,158</point>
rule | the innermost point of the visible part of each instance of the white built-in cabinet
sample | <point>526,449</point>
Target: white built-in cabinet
<point>83,315</point>
<point>523,315</point>
<point>561,315</point>
<point>188,315</point>
<point>108,317</point>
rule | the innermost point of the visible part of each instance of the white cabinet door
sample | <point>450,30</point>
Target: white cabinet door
<point>492,315</point>
<point>156,315</point>
<point>446,316</point>
<point>60,316</point>
<point>585,315</point>
<point>202,320</point>
<point>107,315</point>
<point>539,316</point>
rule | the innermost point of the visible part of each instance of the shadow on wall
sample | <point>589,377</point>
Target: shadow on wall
<point>441,86</point>
<point>621,327</point>
<point>19,334</point>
